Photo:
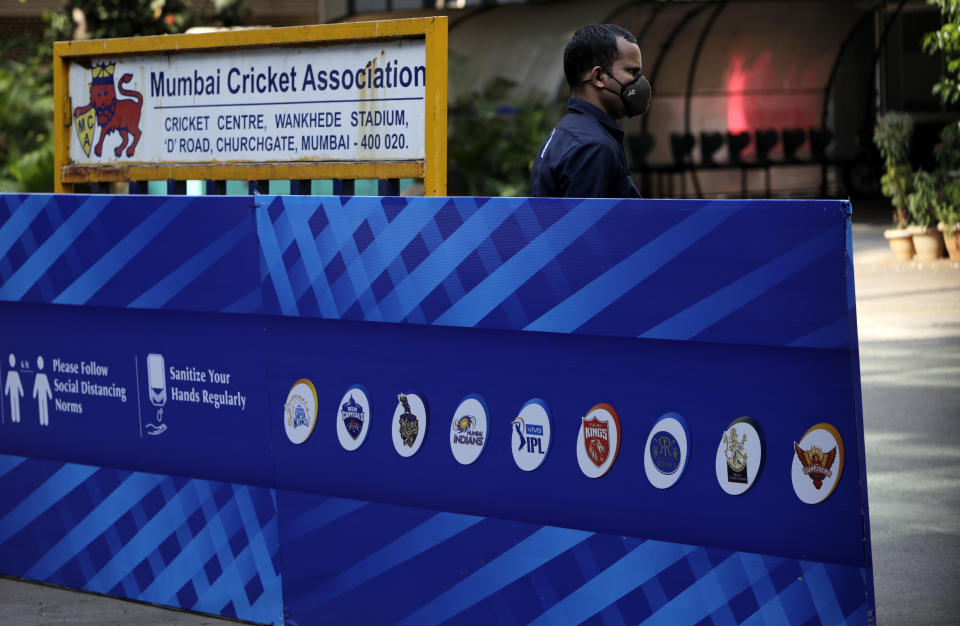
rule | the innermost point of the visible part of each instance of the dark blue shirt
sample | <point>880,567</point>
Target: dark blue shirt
<point>583,158</point>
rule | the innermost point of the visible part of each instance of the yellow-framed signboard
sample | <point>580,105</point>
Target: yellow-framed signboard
<point>353,100</point>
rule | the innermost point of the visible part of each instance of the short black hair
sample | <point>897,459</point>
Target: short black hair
<point>592,45</point>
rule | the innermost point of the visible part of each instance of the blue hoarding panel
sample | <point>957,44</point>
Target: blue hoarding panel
<point>470,409</point>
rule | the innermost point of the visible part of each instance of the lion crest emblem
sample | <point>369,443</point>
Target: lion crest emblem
<point>110,113</point>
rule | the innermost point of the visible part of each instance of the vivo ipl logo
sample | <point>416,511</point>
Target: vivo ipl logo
<point>122,116</point>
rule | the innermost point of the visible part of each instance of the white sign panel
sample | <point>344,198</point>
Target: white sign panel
<point>346,102</point>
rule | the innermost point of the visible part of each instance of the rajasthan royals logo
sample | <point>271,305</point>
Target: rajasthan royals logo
<point>352,415</point>
<point>409,424</point>
<point>665,452</point>
<point>596,440</point>
<point>122,116</point>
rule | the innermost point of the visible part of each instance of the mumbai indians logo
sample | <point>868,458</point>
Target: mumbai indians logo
<point>465,434</point>
<point>409,424</point>
<point>665,452</point>
<point>109,113</point>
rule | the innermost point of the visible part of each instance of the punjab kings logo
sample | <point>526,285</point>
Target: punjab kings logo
<point>817,463</point>
<point>598,441</point>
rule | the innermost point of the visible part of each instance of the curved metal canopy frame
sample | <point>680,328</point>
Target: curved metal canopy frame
<point>694,60</point>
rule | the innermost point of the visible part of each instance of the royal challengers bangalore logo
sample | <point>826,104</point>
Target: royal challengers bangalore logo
<point>110,113</point>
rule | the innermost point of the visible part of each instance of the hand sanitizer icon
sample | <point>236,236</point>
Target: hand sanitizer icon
<point>157,385</point>
<point>156,380</point>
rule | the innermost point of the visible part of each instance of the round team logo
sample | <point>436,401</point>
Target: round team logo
<point>530,438</point>
<point>739,456</point>
<point>598,441</point>
<point>300,411</point>
<point>409,424</point>
<point>353,418</point>
<point>468,430</point>
<point>817,463</point>
<point>667,451</point>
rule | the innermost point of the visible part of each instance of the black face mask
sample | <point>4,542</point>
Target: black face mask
<point>635,95</point>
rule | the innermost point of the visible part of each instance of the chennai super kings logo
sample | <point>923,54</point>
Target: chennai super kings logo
<point>409,424</point>
<point>111,114</point>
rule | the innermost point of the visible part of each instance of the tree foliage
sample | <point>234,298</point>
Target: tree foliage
<point>491,145</point>
<point>26,81</point>
<point>104,19</point>
<point>946,40</point>
<point>26,126</point>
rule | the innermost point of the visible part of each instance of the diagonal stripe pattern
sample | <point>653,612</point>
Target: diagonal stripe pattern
<point>195,544</point>
<point>502,568</point>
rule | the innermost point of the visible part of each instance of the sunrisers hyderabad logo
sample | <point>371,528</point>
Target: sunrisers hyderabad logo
<point>122,116</point>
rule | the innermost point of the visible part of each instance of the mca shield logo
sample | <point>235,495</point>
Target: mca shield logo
<point>112,114</point>
<point>85,125</point>
<point>596,440</point>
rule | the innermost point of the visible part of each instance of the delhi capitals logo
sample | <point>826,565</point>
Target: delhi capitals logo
<point>596,440</point>
<point>665,452</point>
<point>352,415</point>
<point>409,424</point>
<point>111,113</point>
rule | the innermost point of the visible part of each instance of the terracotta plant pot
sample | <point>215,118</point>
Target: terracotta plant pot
<point>952,243</point>
<point>928,243</point>
<point>901,243</point>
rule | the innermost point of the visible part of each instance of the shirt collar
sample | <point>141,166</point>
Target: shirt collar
<point>582,106</point>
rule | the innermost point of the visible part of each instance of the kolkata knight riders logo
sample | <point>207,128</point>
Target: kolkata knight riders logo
<point>409,424</point>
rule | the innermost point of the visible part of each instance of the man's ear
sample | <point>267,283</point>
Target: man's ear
<point>596,76</point>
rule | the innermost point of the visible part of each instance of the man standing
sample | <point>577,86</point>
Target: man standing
<point>583,156</point>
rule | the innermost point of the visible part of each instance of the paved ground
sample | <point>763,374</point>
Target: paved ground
<point>909,325</point>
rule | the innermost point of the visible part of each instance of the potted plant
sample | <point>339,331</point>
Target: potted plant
<point>948,201</point>
<point>948,210</point>
<point>892,137</point>
<point>922,202</point>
